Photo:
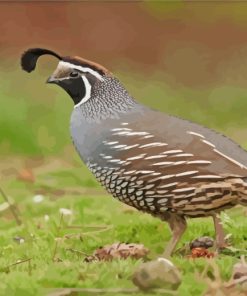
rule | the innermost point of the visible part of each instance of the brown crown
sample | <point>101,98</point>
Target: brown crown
<point>86,63</point>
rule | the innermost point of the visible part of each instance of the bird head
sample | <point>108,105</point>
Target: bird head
<point>77,76</point>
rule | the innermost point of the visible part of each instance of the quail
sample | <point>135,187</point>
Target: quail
<point>169,167</point>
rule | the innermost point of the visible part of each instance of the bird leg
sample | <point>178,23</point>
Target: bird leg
<point>178,226</point>
<point>220,237</point>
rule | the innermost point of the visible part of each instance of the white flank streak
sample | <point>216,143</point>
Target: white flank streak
<point>156,156</point>
<point>82,69</point>
<point>114,160</point>
<point>163,163</point>
<point>148,186</point>
<point>147,137</point>
<point>128,133</point>
<point>196,134</point>
<point>87,91</point>
<point>156,174</point>
<point>207,176</point>
<point>129,147</point>
<point>120,129</point>
<point>229,158</point>
<point>107,157</point>
<point>208,143</point>
<point>183,155</point>
<point>166,177</point>
<point>110,143</point>
<point>129,172</point>
<point>137,134</point>
<point>145,172</point>
<point>121,133</point>
<point>168,185</point>
<point>172,151</point>
<point>186,173</point>
<point>199,162</point>
<point>119,146</point>
<point>124,123</point>
<point>155,144</point>
<point>136,157</point>
<point>180,162</point>
<point>184,189</point>
<point>170,162</point>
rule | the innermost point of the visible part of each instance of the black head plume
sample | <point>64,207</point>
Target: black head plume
<point>30,57</point>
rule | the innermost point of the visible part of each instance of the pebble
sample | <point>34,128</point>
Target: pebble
<point>159,273</point>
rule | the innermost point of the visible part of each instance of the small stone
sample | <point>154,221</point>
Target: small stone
<point>202,242</point>
<point>46,218</point>
<point>160,273</point>
<point>65,212</point>
<point>38,198</point>
<point>19,239</point>
<point>239,269</point>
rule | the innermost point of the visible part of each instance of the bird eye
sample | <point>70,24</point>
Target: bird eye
<point>74,74</point>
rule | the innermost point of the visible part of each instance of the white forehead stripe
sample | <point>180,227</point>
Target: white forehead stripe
<point>82,69</point>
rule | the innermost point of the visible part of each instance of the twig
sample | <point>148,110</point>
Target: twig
<point>79,236</point>
<point>29,268</point>
<point>69,291</point>
<point>235,282</point>
<point>12,207</point>
<point>77,252</point>
<point>58,234</point>
<point>17,263</point>
<point>90,232</point>
<point>86,226</point>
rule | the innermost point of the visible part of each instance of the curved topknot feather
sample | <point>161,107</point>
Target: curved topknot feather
<point>30,57</point>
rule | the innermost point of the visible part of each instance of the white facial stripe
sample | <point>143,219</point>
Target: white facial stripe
<point>82,69</point>
<point>87,91</point>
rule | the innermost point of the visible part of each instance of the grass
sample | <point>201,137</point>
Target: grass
<point>92,207</point>
<point>34,133</point>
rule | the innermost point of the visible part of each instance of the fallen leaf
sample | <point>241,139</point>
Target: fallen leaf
<point>118,251</point>
<point>26,175</point>
<point>201,252</point>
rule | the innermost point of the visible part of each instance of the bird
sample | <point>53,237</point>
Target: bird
<point>169,167</point>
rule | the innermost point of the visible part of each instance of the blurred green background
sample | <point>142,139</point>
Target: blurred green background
<point>184,58</point>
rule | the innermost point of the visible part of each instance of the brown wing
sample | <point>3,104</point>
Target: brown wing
<point>191,177</point>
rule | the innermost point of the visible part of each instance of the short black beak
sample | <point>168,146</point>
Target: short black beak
<point>51,80</point>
